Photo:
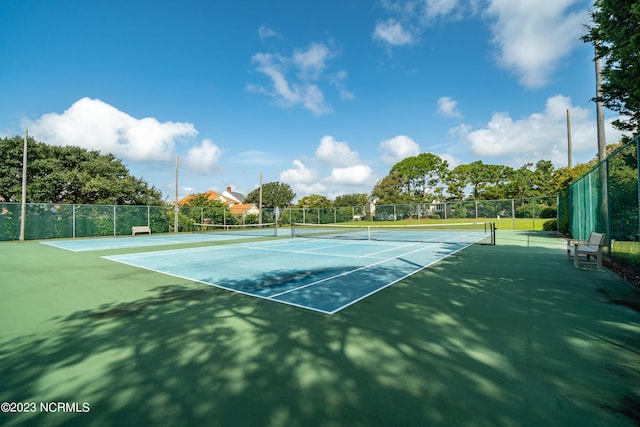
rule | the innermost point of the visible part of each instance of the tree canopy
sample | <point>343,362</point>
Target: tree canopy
<point>421,176</point>
<point>274,194</point>
<point>69,175</point>
<point>350,200</point>
<point>315,201</point>
<point>615,33</point>
<point>425,179</point>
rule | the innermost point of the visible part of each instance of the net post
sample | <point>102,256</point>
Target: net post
<point>493,234</point>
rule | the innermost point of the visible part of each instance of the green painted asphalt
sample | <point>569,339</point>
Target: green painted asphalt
<point>506,335</point>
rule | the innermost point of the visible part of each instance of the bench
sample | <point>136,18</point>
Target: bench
<point>140,229</point>
<point>590,248</point>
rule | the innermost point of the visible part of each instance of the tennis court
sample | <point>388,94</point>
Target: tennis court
<point>510,335</point>
<point>325,275</point>
<point>206,233</point>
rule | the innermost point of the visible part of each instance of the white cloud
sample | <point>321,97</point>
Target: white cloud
<point>312,61</point>
<point>337,80</point>
<point>302,189</point>
<point>533,35</point>
<point>303,181</point>
<point>204,158</point>
<point>452,160</point>
<point>337,170</point>
<point>393,33</point>
<point>265,32</point>
<point>298,174</point>
<point>96,125</point>
<point>448,107</point>
<point>336,153</point>
<point>539,135</point>
<point>356,175</point>
<point>295,80</point>
<point>435,8</point>
<point>398,148</point>
<point>288,94</point>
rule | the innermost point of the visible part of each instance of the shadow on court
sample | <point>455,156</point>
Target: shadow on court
<point>510,335</point>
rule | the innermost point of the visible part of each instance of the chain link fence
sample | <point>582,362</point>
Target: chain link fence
<point>54,221</point>
<point>605,200</point>
<point>537,210</point>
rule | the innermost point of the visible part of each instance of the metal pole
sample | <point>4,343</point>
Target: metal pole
<point>602,149</point>
<point>602,143</point>
<point>260,201</point>
<point>175,207</point>
<point>569,162</point>
<point>23,207</point>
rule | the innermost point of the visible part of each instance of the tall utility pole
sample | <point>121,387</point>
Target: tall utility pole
<point>23,207</point>
<point>602,143</point>
<point>175,206</point>
<point>569,163</point>
<point>602,155</point>
<point>260,200</point>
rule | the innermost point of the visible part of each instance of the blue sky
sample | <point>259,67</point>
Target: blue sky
<point>324,96</point>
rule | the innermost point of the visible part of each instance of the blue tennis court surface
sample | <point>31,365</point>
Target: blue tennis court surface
<point>320,275</point>
<point>105,243</point>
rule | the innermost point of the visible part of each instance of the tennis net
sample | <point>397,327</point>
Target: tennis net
<point>470,232</point>
<point>258,230</point>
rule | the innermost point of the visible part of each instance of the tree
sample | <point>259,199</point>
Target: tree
<point>70,175</point>
<point>615,33</point>
<point>421,176</point>
<point>207,210</point>
<point>389,190</point>
<point>274,194</point>
<point>349,200</point>
<point>485,181</point>
<point>314,201</point>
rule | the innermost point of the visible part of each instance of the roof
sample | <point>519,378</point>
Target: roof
<point>211,195</point>
<point>243,208</point>
<point>237,197</point>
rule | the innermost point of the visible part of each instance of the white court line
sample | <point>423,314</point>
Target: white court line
<point>396,281</point>
<point>316,251</point>
<point>383,260</point>
<point>261,245</point>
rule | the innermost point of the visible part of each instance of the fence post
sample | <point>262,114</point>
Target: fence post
<point>533,211</point>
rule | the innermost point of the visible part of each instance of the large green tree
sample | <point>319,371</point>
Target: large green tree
<point>350,200</point>
<point>274,194</point>
<point>70,175</point>
<point>615,33</point>
<point>421,176</point>
<point>390,190</point>
<point>315,201</point>
<point>202,209</point>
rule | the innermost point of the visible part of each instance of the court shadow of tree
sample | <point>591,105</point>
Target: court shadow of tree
<point>459,344</point>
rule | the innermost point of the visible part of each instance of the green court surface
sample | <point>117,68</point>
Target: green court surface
<point>505,335</point>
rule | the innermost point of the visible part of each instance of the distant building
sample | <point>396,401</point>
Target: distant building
<point>232,195</point>
<point>211,195</point>
<point>233,199</point>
